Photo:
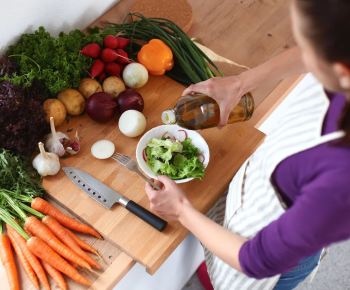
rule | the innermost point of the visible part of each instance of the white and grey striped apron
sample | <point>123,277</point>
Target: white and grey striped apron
<point>251,202</point>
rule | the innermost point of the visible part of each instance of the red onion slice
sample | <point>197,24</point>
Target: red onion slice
<point>184,134</point>
<point>165,134</point>
<point>201,158</point>
<point>144,155</point>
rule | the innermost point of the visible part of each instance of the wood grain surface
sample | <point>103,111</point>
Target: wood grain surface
<point>228,149</point>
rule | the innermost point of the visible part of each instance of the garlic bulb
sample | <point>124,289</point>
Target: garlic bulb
<point>74,146</point>
<point>55,140</point>
<point>46,163</point>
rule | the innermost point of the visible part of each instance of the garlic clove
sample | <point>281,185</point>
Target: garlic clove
<point>46,163</point>
<point>64,138</point>
<point>74,146</point>
<point>52,141</point>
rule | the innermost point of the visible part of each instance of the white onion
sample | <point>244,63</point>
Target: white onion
<point>135,75</point>
<point>103,149</point>
<point>132,123</point>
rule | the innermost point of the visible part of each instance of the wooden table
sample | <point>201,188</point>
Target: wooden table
<point>246,31</point>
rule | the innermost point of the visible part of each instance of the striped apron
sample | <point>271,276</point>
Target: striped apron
<point>251,202</point>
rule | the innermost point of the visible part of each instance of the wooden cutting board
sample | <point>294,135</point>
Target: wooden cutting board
<point>228,149</point>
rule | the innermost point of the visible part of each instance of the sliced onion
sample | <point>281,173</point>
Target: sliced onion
<point>201,158</point>
<point>103,149</point>
<point>165,134</point>
<point>182,134</point>
<point>144,155</point>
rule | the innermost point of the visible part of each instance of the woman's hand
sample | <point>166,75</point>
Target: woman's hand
<point>225,91</point>
<point>169,202</point>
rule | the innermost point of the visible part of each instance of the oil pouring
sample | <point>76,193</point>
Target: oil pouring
<point>198,111</point>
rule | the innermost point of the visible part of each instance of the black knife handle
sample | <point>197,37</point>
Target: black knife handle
<point>147,216</point>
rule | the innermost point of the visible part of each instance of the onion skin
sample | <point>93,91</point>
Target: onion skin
<point>100,107</point>
<point>130,100</point>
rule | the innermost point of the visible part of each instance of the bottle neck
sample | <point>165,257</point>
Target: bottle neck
<point>169,117</point>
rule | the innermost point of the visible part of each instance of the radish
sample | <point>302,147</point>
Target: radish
<point>110,41</point>
<point>92,50</point>
<point>102,76</point>
<point>103,149</point>
<point>113,69</point>
<point>122,56</point>
<point>122,66</point>
<point>109,55</point>
<point>123,42</point>
<point>97,68</point>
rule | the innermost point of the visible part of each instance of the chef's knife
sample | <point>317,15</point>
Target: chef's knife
<point>107,196</point>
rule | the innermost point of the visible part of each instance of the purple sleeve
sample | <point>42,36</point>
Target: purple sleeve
<point>319,216</point>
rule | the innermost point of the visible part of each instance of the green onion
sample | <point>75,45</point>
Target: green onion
<point>190,62</point>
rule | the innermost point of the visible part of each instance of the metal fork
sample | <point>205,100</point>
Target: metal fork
<point>132,166</point>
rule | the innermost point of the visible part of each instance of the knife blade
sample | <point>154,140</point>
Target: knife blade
<point>107,197</point>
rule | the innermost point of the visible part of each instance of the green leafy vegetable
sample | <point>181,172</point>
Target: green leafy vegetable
<point>69,130</point>
<point>17,175</point>
<point>176,160</point>
<point>55,62</point>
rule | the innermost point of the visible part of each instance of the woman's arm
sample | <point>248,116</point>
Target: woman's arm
<point>229,90</point>
<point>285,65</point>
<point>172,203</point>
<point>217,239</point>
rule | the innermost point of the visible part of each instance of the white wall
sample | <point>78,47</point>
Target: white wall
<point>25,16</point>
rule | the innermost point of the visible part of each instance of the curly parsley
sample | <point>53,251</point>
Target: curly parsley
<point>55,62</point>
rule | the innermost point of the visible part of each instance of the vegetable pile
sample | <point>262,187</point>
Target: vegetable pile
<point>37,231</point>
<point>190,61</point>
<point>54,62</point>
<point>178,160</point>
<point>22,117</point>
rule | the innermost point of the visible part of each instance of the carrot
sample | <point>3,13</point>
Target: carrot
<point>28,232</point>
<point>66,239</point>
<point>82,244</point>
<point>44,252</point>
<point>24,262</point>
<point>8,261</point>
<point>31,258</point>
<point>55,275</point>
<point>47,209</point>
<point>38,229</point>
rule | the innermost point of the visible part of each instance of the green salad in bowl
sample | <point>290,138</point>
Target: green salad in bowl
<point>176,152</point>
<point>176,159</point>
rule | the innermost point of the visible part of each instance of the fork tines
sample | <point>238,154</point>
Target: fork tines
<point>121,158</point>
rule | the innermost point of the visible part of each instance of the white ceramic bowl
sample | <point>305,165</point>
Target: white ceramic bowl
<point>157,132</point>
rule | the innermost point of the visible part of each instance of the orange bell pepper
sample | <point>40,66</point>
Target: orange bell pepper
<point>156,57</point>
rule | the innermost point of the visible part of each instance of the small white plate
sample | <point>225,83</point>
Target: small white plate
<point>173,130</point>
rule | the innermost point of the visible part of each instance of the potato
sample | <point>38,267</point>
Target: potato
<point>55,108</point>
<point>72,100</point>
<point>113,86</point>
<point>88,87</point>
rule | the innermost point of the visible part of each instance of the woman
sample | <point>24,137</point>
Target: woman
<point>291,198</point>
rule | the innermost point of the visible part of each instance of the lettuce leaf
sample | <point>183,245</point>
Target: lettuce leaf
<point>176,160</point>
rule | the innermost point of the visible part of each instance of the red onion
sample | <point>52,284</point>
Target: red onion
<point>181,134</point>
<point>100,107</point>
<point>143,155</point>
<point>129,100</point>
<point>202,157</point>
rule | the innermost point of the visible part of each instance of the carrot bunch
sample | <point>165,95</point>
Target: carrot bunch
<point>44,245</point>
